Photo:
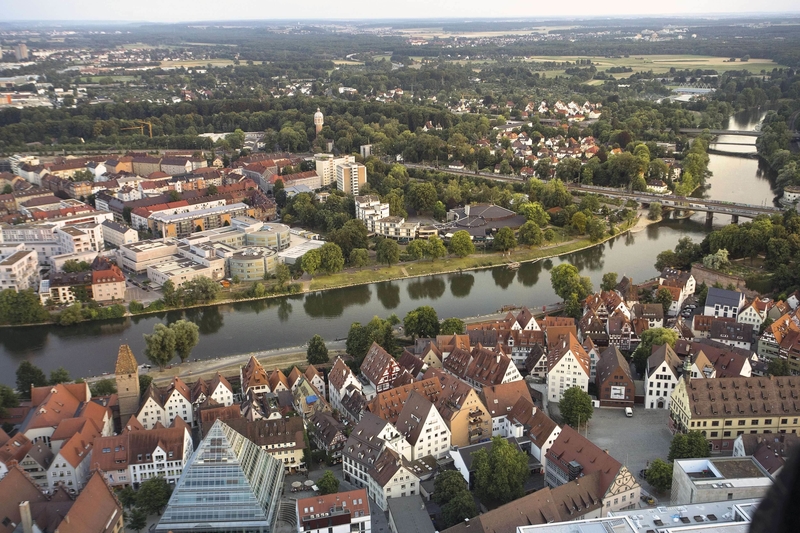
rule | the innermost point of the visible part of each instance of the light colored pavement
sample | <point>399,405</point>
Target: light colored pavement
<point>632,441</point>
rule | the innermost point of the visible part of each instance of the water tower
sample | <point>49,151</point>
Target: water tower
<point>319,121</point>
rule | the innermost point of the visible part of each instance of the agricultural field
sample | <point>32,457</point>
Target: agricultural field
<point>96,79</point>
<point>662,63</point>
<point>430,33</point>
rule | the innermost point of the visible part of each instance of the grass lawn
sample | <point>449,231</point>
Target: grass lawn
<point>96,79</point>
<point>660,64</point>
<point>424,267</point>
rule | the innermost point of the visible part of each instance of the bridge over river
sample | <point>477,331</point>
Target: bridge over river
<point>738,133</point>
<point>735,210</point>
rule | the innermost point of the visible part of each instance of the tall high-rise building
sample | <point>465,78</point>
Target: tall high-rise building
<point>326,166</point>
<point>319,121</point>
<point>350,177</point>
<point>21,52</point>
<point>127,377</point>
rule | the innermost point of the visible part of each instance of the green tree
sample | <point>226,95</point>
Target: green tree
<point>659,475</point>
<point>451,326</point>
<point>311,262</point>
<point>23,307</point>
<point>186,336</point>
<point>718,260</point>
<point>505,240</point>
<point>595,229</point>
<point>654,213</point>
<point>104,387</point>
<point>664,297</point>
<point>352,235</point>
<point>652,337</point>
<point>328,483</point>
<point>283,274</point>
<point>447,486</point>
<point>29,375</point>
<point>359,257</point>
<point>73,265</point>
<point>137,520</point>
<point>360,337</point>
<point>417,249</point>
<point>500,472</point>
<point>153,495</point>
<point>422,322</point>
<point>127,497</point>
<point>8,398</point>
<point>435,249</point>
<point>534,212</point>
<point>575,407</point>
<point>609,281</point>
<point>199,289</point>
<point>578,222</point>
<point>461,244</point>
<point>174,196</point>
<point>459,508</point>
<point>169,294</point>
<point>387,251</point>
<point>331,258</point>
<point>59,375</point>
<point>160,347</point>
<point>568,169</point>
<point>144,382</point>
<point>317,352</point>
<point>778,367</point>
<point>555,194</point>
<point>692,445</point>
<point>531,234</point>
<point>566,280</point>
<point>422,197</point>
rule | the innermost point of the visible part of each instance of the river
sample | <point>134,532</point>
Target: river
<point>91,348</point>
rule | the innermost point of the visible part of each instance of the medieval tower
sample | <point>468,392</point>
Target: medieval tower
<point>127,376</point>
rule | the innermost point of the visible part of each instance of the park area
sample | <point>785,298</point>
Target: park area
<point>661,64</point>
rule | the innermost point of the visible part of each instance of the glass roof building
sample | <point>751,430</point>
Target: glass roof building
<point>230,485</point>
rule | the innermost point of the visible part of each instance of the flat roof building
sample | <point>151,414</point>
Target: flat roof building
<point>724,478</point>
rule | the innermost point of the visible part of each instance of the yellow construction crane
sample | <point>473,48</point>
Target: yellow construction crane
<point>140,127</point>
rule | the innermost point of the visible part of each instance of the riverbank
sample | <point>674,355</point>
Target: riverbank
<point>451,265</point>
<point>281,358</point>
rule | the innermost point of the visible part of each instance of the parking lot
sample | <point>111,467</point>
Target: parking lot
<point>632,441</point>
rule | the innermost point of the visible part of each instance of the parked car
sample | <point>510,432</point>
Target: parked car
<point>648,499</point>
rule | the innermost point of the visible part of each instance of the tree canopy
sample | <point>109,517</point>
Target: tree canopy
<point>575,407</point>
<point>317,352</point>
<point>422,322</point>
<point>567,281</point>
<point>500,472</point>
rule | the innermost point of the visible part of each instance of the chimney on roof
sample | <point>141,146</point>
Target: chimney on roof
<point>25,516</point>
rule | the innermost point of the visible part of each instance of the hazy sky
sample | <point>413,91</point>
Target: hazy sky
<point>217,10</point>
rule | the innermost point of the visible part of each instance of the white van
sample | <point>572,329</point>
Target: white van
<point>628,412</point>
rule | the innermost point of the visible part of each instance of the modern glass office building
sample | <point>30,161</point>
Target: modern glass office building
<point>230,485</point>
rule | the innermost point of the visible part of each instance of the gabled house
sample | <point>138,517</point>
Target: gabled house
<point>162,406</point>
<point>137,454</point>
<point>622,332</point>
<point>591,327</point>
<point>680,284</point>
<point>653,313</point>
<point>217,389</point>
<point>462,410</point>
<point>573,456</point>
<point>307,399</point>
<point>723,303</point>
<point>379,368</point>
<point>500,399</point>
<point>253,376</point>
<point>278,381</point>
<point>664,369</point>
<point>316,378</point>
<point>283,439</point>
<point>735,334</point>
<point>375,458</point>
<point>72,463</point>
<point>615,386</point>
<point>34,459</point>
<point>339,378</point>
<point>328,434</point>
<point>490,367</point>
<point>568,366</point>
<point>423,427</point>
<point>755,313</point>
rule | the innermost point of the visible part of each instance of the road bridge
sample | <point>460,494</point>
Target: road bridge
<point>735,210</point>
<point>739,133</point>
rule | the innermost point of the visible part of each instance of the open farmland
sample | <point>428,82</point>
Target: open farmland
<point>662,63</point>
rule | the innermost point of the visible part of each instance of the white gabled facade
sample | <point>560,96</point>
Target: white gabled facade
<point>339,379</point>
<point>222,395</point>
<point>658,387</point>
<point>565,374</point>
<point>751,315</point>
